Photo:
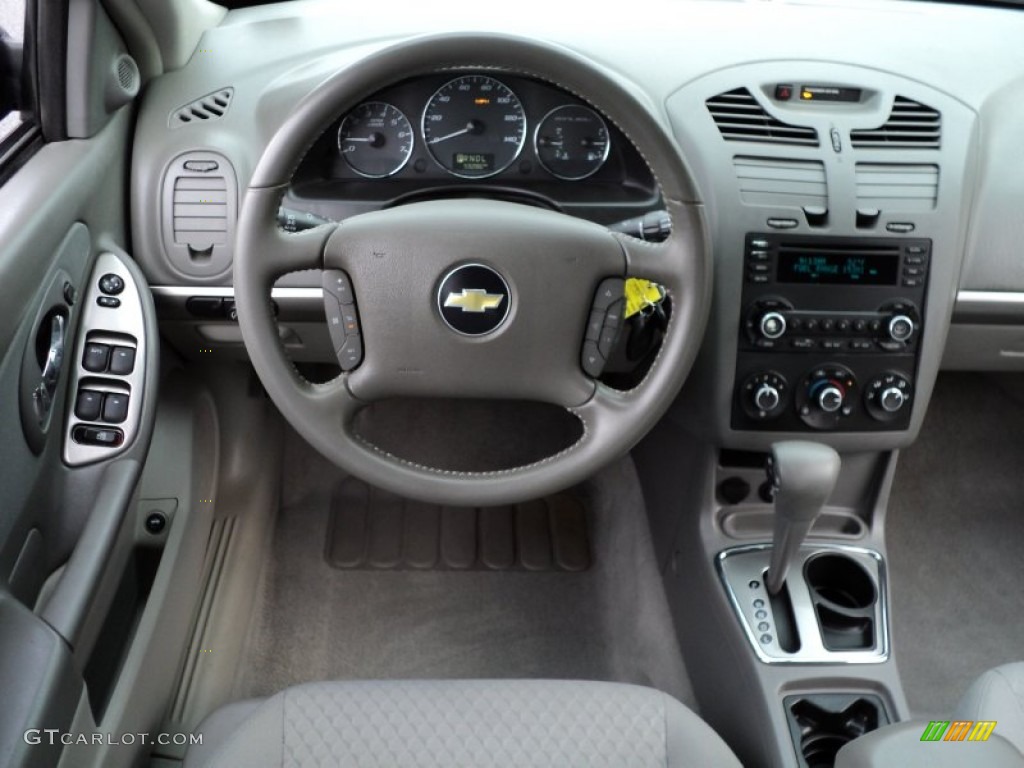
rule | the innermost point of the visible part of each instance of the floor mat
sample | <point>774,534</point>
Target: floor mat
<point>317,622</point>
<point>955,532</point>
<point>373,529</point>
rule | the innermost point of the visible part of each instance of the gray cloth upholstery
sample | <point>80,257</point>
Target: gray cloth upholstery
<point>998,695</point>
<point>900,746</point>
<point>472,723</point>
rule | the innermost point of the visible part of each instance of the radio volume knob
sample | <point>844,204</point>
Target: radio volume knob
<point>767,398</point>
<point>901,328</point>
<point>773,325</point>
<point>830,399</point>
<point>892,399</point>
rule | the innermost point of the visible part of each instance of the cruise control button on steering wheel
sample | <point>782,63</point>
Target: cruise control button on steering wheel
<point>473,300</point>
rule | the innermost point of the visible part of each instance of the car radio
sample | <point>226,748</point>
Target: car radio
<point>830,329</point>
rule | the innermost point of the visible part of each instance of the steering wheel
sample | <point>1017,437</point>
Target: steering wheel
<point>398,262</point>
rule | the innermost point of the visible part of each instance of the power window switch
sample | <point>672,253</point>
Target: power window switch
<point>88,405</point>
<point>122,360</point>
<point>115,408</point>
<point>95,357</point>
<point>99,436</point>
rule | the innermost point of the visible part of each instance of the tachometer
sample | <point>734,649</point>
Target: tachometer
<point>375,139</point>
<point>572,142</point>
<point>474,126</point>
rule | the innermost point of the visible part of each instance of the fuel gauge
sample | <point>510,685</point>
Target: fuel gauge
<point>572,142</point>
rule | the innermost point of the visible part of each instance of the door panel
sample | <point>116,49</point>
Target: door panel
<point>68,527</point>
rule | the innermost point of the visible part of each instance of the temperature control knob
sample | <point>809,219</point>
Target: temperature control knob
<point>763,395</point>
<point>825,397</point>
<point>830,398</point>
<point>901,328</point>
<point>886,396</point>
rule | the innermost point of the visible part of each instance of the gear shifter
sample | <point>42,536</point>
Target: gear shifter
<point>803,475</point>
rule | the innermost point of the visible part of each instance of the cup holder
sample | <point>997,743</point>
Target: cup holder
<point>822,724</point>
<point>844,597</point>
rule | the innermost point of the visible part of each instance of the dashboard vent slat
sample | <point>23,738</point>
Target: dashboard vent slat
<point>212,106</point>
<point>911,125</point>
<point>898,187</point>
<point>781,182</point>
<point>200,211</point>
<point>740,117</point>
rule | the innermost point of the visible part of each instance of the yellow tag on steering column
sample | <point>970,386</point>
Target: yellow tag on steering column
<point>641,294</point>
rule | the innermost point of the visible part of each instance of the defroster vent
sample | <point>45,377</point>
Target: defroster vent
<point>212,106</point>
<point>911,125</point>
<point>740,117</point>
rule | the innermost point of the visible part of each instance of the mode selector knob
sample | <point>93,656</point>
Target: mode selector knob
<point>901,328</point>
<point>892,399</point>
<point>887,395</point>
<point>773,325</point>
<point>830,398</point>
<point>767,398</point>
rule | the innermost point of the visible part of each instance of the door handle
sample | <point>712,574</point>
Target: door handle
<point>42,395</point>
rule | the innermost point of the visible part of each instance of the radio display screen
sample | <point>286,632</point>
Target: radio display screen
<point>838,268</point>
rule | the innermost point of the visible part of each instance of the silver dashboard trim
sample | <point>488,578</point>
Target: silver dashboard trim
<point>991,297</point>
<point>738,566</point>
<point>228,292</point>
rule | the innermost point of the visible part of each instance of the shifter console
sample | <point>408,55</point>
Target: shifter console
<point>830,330</point>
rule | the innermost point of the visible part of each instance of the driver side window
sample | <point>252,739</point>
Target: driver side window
<point>17,102</point>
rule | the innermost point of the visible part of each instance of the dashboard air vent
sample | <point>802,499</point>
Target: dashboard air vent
<point>209,107</point>
<point>781,182</point>
<point>911,125</point>
<point>740,117</point>
<point>897,187</point>
<point>200,212</point>
<point>199,205</point>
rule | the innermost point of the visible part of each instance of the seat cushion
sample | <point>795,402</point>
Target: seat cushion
<point>998,695</point>
<point>472,723</point>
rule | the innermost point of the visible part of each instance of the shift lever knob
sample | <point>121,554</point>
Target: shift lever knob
<point>803,475</point>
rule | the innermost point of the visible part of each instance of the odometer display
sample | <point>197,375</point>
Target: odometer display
<point>474,126</point>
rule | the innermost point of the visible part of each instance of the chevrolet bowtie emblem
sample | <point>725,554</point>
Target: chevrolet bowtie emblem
<point>474,300</point>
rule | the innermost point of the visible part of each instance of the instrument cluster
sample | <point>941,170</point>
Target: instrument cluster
<point>473,126</point>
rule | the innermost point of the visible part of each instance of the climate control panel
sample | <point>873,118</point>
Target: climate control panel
<point>829,333</point>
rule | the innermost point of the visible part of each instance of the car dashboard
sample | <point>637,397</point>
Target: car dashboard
<point>855,184</point>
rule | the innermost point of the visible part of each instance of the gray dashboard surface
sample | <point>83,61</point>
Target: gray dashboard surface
<point>273,55</point>
<point>964,61</point>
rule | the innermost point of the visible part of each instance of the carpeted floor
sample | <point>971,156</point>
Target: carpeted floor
<point>955,533</point>
<point>315,622</point>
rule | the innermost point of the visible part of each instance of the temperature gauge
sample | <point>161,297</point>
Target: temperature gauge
<point>572,142</point>
<point>375,139</point>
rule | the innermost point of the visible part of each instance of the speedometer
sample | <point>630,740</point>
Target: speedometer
<point>474,126</point>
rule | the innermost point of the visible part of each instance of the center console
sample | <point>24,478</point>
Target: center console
<point>829,333</point>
